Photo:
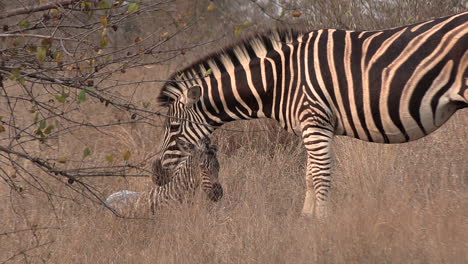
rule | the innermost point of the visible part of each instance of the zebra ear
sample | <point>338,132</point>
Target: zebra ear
<point>193,95</point>
<point>213,148</point>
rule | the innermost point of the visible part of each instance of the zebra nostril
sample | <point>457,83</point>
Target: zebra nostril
<point>216,192</point>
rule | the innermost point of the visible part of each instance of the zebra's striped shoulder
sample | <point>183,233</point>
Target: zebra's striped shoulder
<point>218,62</point>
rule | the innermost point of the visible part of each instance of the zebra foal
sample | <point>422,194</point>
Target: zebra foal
<point>386,86</point>
<point>199,166</point>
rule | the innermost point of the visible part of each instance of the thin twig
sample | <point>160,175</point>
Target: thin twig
<point>33,9</point>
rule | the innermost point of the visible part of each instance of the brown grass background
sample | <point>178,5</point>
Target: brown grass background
<point>403,203</point>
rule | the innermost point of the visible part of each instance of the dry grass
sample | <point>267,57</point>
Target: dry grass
<point>390,203</point>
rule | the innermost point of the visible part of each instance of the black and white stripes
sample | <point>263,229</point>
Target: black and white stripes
<point>387,86</point>
<point>199,166</point>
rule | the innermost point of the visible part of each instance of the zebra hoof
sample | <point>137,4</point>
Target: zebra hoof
<point>216,192</point>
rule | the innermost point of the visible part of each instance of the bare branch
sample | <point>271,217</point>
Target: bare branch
<point>2,35</point>
<point>33,9</point>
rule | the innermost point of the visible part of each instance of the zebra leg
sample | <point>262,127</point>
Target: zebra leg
<point>317,141</point>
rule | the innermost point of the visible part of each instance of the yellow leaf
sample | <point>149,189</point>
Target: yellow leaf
<point>133,7</point>
<point>41,53</point>
<point>296,14</point>
<point>126,155</point>
<point>164,36</point>
<point>59,56</point>
<point>110,158</point>
<point>49,129</point>
<point>211,7</point>
<point>62,160</point>
<point>104,21</point>
<point>54,13</point>
<point>104,42</point>
<point>2,128</point>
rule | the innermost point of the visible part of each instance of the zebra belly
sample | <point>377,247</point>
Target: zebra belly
<point>429,123</point>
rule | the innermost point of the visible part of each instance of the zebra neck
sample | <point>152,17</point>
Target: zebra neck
<point>268,85</point>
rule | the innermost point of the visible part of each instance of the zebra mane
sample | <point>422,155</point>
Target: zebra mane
<point>256,45</point>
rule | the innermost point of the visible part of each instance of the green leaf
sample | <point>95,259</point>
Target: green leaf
<point>237,31</point>
<point>21,80</point>
<point>62,97</point>
<point>126,155</point>
<point>86,5</point>
<point>110,158</point>
<point>82,96</point>
<point>49,129</point>
<point>146,104</point>
<point>133,7</point>
<point>104,42</point>
<point>47,43</point>
<point>208,72</point>
<point>90,88</point>
<point>87,152</point>
<point>41,53</point>
<point>36,117</point>
<point>15,74</point>
<point>42,124</point>
<point>24,23</point>
<point>104,4</point>
<point>62,160</point>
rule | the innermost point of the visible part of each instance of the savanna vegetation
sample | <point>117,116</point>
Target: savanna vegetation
<point>79,121</point>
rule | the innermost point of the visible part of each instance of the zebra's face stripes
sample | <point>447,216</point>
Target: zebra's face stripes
<point>185,122</point>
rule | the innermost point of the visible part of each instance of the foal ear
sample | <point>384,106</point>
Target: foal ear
<point>213,148</point>
<point>193,95</point>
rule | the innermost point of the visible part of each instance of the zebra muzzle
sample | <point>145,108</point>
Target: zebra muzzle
<point>216,192</point>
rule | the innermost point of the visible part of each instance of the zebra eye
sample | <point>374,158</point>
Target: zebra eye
<point>174,127</point>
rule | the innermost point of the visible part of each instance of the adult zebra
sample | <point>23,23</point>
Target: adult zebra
<point>386,86</point>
